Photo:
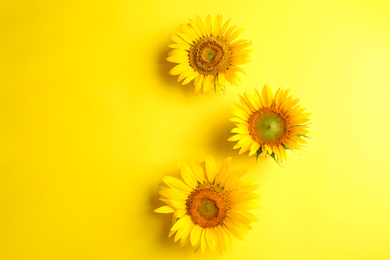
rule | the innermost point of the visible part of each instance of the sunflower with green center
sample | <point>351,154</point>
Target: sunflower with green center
<point>209,205</point>
<point>208,54</point>
<point>269,124</point>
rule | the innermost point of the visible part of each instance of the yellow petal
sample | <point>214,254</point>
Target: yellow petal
<point>187,175</point>
<point>245,196</point>
<point>178,52</point>
<point>297,139</point>
<point>228,238</point>
<point>268,148</point>
<point>184,221</point>
<point>221,80</point>
<point>223,28</point>
<point>207,84</point>
<point>185,74</point>
<point>199,84</point>
<point>240,112</point>
<point>190,77</point>
<point>176,38</point>
<point>283,152</point>
<point>237,120</point>
<point>210,237</point>
<point>174,182</point>
<point>178,69</point>
<point>285,102</point>
<point>178,59</point>
<point>190,32</point>
<point>299,121</point>
<point>258,98</point>
<point>252,101</point>
<point>245,105</point>
<point>184,36</point>
<point>198,172</point>
<point>299,130</point>
<point>238,130</point>
<point>244,140</point>
<point>201,26</point>
<point>211,168</point>
<point>239,60</point>
<point>179,46</point>
<point>228,32</point>
<point>208,25</point>
<point>291,104</point>
<point>164,209</point>
<point>255,146</point>
<point>236,137</point>
<point>292,144</point>
<point>216,25</point>
<point>248,215</point>
<point>179,213</point>
<point>173,194</point>
<point>203,242</point>
<point>176,204</point>
<point>245,147</point>
<point>267,96</point>
<point>239,45</point>
<point>195,235</point>
<point>277,153</point>
<point>236,232</point>
<point>218,245</point>
<point>221,242</point>
<point>221,176</point>
<point>243,52</point>
<point>247,205</point>
<point>196,29</point>
<point>186,235</point>
<point>235,34</point>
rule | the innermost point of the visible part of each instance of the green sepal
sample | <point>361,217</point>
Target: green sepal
<point>258,152</point>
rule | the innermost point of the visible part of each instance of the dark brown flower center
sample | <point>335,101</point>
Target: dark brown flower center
<point>210,55</point>
<point>207,205</point>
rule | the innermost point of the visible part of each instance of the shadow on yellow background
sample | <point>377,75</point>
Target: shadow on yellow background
<point>90,121</point>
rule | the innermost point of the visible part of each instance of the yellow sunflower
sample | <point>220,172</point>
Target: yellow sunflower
<point>269,124</point>
<point>209,205</point>
<point>208,53</point>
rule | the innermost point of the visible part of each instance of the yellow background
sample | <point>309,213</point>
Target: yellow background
<point>90,121</point>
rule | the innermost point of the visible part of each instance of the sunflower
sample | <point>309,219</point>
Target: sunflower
<point>269,124</point>
<point>208,53</point>
<point>209,206</point>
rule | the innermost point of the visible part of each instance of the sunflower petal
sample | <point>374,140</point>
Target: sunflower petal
<point>292,144</point>
<point>164,209</point>
<point>187,175</point>
<point>211,168</point>
<point>267,96</point>
<point>209,26</point>
<point>196,235</point>
<point>182,222</point>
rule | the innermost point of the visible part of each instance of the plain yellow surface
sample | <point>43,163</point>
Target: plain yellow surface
<point>90,121</point>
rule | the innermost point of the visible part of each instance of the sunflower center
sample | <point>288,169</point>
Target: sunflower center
<point>207,205</point>
<point>207,209</point>
<point>210,55</point>
<point>267,126</point>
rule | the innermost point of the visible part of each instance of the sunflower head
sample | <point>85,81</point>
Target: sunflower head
<point>269,124</point>
<point>209,205</point>
<point>208,54</point>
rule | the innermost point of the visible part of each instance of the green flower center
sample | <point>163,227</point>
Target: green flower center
<point>209,54</point>
<point>207,209</point>
<point>268,126</point>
